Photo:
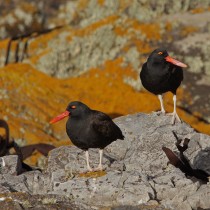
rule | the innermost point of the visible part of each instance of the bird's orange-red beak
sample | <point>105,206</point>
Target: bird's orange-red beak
<point>60,117</point>
<point>175,62</point>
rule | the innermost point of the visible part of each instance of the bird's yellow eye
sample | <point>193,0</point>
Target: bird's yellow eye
<point>73,107</point>
<point>160,53</point>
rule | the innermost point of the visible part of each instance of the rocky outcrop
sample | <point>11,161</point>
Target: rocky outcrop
<point>195,52</point>
<point>18,17</point>
<point>137,170</point>
<point>104,30</point>
<point>76,50</point>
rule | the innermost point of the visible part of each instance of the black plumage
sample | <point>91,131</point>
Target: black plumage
<point>89,128</point>
<point>161,74</point>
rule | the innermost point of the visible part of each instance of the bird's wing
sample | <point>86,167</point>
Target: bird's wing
<point>104,125</point>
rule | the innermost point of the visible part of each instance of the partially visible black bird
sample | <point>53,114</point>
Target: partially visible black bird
<point>160,74</point>
<point>89,128</point>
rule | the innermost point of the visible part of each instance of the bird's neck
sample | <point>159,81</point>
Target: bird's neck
<point>80,117</point>
<point>156,65</point>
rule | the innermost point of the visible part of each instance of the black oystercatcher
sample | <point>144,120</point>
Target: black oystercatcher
<point>161,74</point>
<point>89,128</point>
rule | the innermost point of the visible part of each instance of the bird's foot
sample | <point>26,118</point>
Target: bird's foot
<point>99,168</point>
<point>160,112</point>
<point>89,169</point>
<point>174,117</point>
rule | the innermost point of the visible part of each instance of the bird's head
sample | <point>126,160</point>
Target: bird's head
<point>74,109</point>
<point>160,55</point>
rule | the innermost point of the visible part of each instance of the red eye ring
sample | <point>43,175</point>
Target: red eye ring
<point>73,107</point>
<point>160,53</point>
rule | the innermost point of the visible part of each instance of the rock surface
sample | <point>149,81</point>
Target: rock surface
<point>136,174</point>
<point>10,165</point>
<point>28,16</point>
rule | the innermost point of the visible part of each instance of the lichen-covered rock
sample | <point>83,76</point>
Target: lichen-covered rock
<point>20,200</point>
<point>17,17</point>
<point>194,50</point>
<point>81,54</point>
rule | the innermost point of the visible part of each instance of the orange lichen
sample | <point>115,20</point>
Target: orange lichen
<point>188,30</point>
<point>197,10</point>
<point>100,2</point>
<point>124,5</point>
<point>28,7</point>
<point>2,132</point>
<point>35,58</point>
<point>120,31</point>
<point>32,160</point>
<point>152,31</point>
<point>42,41</point>
<point>142,46</point>
<point>168,26</point>
<point>93,174</point>
<point>4,43</point>
<point>82,4</point>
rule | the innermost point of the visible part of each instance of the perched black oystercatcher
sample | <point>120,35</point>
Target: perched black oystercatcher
<point>160,74</point>
<point>89,128</point>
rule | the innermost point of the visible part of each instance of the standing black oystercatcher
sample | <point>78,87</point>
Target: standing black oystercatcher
<point>89,128</point>
<point>161,74</point>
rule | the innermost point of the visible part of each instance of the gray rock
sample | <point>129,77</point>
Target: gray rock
<point>10,165</point>
<point>81,54</point>
<point>142,10</point>
<point>4,189</point>
<point>137,170</point>
<point>16,201</point>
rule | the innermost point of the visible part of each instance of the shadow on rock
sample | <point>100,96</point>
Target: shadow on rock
<point>182,162</point>
<point>202,160</point>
